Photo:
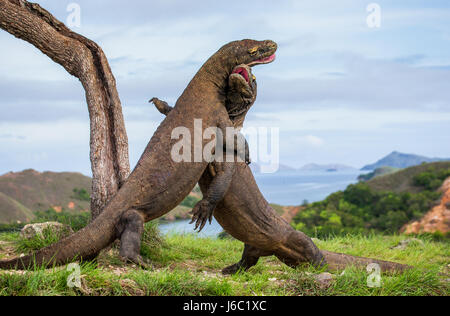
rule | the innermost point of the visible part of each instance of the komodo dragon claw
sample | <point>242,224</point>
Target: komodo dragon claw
<point>202,212</point>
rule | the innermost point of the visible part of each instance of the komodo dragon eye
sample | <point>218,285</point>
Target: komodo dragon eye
<point>253,51</point>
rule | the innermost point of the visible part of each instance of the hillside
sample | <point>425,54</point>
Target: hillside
<point>28,191</point>
<point>437,219</point>
<point>382,205</point>
<point>377,173</point>
<point>39,191</point>
<point>12,211</point>
<point>401,160</point>
<point>402,181</point>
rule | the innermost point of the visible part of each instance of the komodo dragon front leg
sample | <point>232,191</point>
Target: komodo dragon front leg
<point>203,210</point>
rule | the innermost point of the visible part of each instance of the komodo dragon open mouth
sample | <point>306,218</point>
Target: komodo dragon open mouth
<point>241,92</point>
<point>265,60</point>
<point>242,88</point>
<point>244,72</point>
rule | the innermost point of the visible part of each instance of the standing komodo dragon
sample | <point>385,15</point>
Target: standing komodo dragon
<point>246,215</point>
<point>157,183</point>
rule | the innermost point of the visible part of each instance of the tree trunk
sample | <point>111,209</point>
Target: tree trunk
<point>85,60</point>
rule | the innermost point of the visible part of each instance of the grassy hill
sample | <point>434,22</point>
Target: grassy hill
<point>377,173</point>
<point>403,180</point>
<point>39,191</point>
<point>29,191</point>
<point>12,211</point>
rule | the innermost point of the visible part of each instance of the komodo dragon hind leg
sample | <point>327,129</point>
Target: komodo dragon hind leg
<point>130,238</point>
<point>250,257</point>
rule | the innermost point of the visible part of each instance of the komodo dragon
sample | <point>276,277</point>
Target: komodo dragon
<point>246,215</point>
<point>157,183</point>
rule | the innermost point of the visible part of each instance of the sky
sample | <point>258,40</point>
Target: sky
<point>340,91</point>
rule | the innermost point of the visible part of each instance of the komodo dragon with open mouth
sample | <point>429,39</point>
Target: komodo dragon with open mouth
<point>244,213</point>
<point>157,183</point>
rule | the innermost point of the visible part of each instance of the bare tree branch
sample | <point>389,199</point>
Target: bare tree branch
<point>85,60</point>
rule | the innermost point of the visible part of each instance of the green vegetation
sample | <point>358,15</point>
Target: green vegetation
<point>361,209</point>
<point>75,220</point>
<point>81,194</point>
<point>152,241</point>
<point>11,227</point>
<point>48,237</point>
<point>190,201</point>
<point>188,265</point>
<point>403,180</point>
<point>432,179</point>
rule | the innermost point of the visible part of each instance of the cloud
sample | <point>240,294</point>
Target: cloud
<point>312,140</point>
<point>368,84</point>
<point>339,91</point>
<point>12,137</point>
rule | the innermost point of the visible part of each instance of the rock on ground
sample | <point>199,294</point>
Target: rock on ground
<point>405,243</point>
<point>32,230</point>
<point>324,279</point>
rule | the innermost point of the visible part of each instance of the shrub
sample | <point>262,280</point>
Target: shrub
<point>75,220</point>
<point>81,194</point>
<point>190,201</point>
<point>359,209</point>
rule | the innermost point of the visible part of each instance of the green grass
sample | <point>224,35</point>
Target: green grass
<point>49,236</point>
<point>188,265</point>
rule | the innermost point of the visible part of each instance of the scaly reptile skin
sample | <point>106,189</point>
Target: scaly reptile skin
<point>245,214</point>
<point>157,183</point>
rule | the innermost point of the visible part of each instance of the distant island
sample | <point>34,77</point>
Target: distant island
<point>327,167</point>
<point>401,160</point>
<point>256,168</point>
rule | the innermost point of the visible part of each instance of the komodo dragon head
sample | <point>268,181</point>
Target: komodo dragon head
<point>248,52</point>
<point>245,54</point>
<point>242,88</point>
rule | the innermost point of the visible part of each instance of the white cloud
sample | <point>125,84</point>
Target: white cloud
<point>339,91</point>
<point>312,140</point>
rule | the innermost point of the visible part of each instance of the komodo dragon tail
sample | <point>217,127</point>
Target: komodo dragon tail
<point>340,261</point>
<point>82,244</point>
<point>300,248</point>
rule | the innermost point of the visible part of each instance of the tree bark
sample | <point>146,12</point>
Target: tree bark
<point>85,60</point>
